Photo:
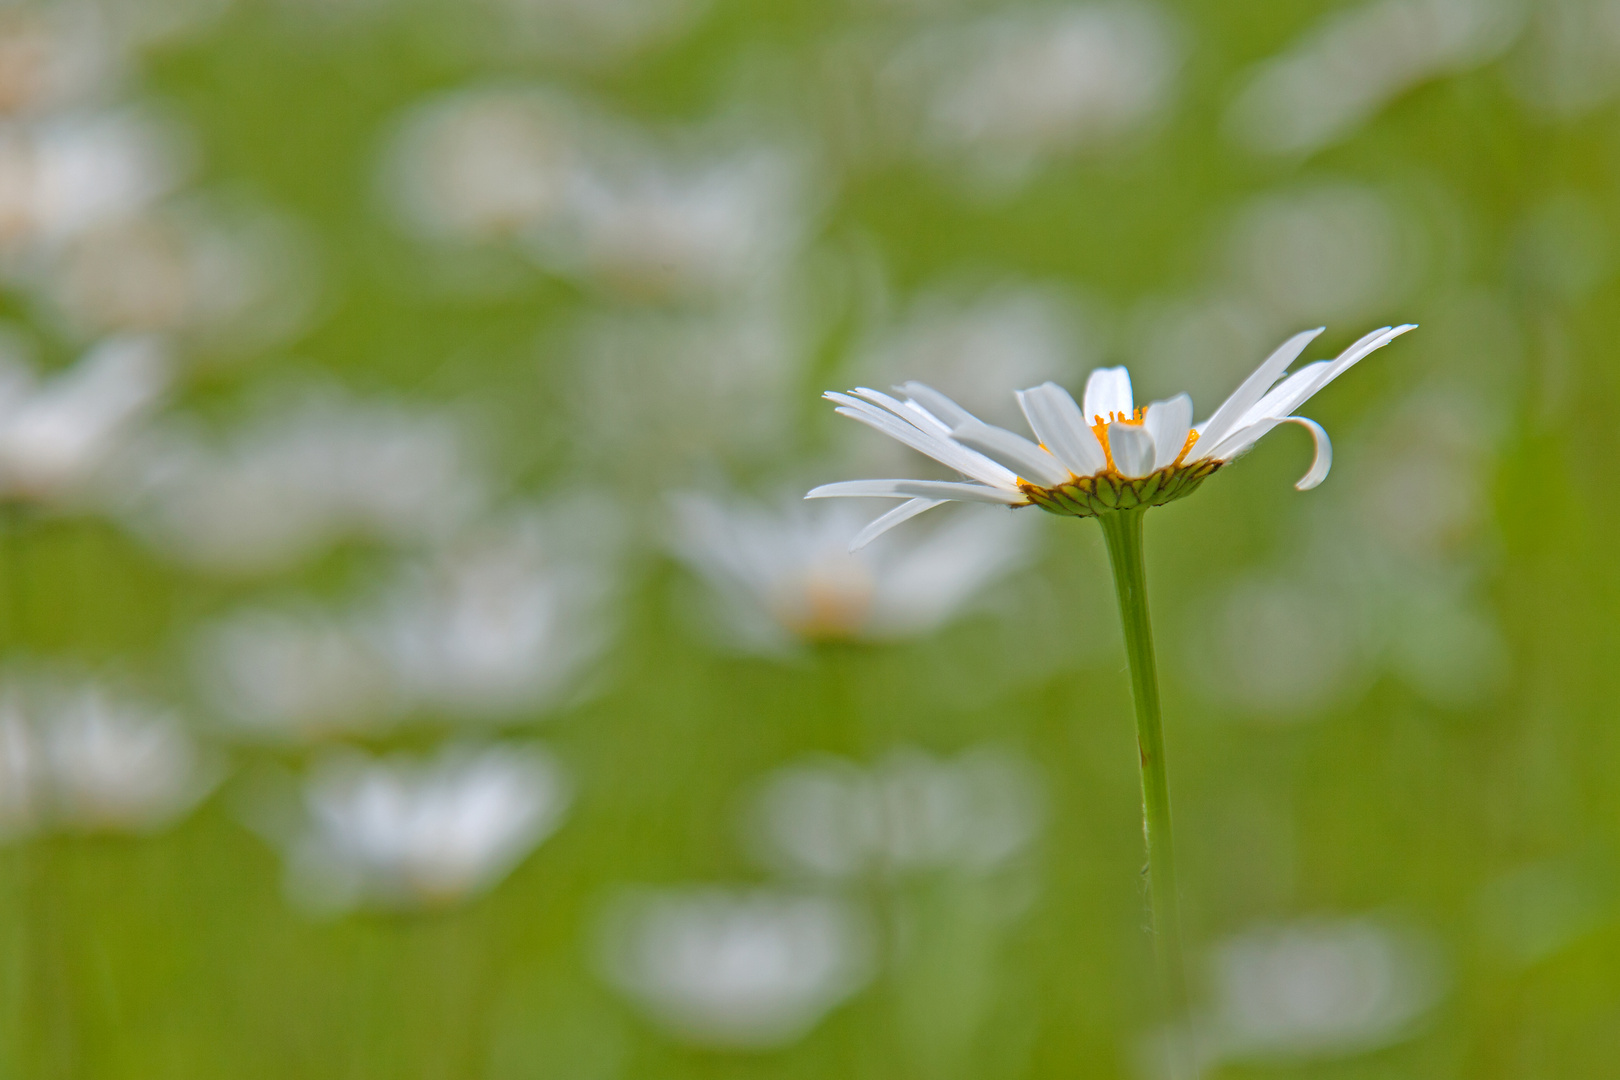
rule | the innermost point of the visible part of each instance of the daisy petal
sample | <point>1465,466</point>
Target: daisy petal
<point>1108,391</point>
<point>1344,362</point>
<point>938,447</point>
<point>1324,453</point>
<point>902,513</point>
<point>1241,441</point>
<point>1286,396</point>
<point>1133,449</point>
<point>1013,451</point>
<point>1168,422</point>
<point>1062,429</point>
<point>949,412</point>
<point>918,489</point>
<point>909,411</point>
<point>1249,393</point>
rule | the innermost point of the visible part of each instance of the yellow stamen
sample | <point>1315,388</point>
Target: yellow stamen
<point>1101,430</point>
<point>1186,448</point>
<point>1100,427</point>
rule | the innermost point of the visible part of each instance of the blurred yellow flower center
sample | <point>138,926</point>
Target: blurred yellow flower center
<point>829,606</point>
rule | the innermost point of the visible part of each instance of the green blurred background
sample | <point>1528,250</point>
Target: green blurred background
<point>418,664</point>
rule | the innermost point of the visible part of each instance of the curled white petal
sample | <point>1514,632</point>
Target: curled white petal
<point>1324,453</point>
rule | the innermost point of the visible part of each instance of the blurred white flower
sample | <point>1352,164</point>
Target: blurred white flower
<point>57,438</point>
<point>1203,343</point>
<point>53,56</point>
<point>1010,89</point>
<point>736,969</point>
<point>661,395</point>
<point>1340,74</point>
<point>484,164</point>
<point>911,812</point>
<point>146,23</point>
<point>974,344</point>
<point>1389,576</point>
<point>293,675</point>
<point>1421,490</point>
<point>499,624</point>
<point>650,226</point>
<point>75,756</point>
<point>1319,989</point>
<point>1570,60</point>
<point>228,279</point>
<point>594,32</point>
<point>503,622</point>
<point>401,832</point>
<point>785,574</point>
<point>1324,253</point>
<point>1279,649</point>
<point>293,481</point>
<point>62,176</point>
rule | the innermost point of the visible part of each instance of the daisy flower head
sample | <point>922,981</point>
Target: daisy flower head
<point>1093,457</point>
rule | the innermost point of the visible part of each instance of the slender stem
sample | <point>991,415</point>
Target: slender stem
<point>1123,531</point>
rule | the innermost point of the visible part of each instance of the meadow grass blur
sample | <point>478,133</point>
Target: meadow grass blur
<point>1389,702</point>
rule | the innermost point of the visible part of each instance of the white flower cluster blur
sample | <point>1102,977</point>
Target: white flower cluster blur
<point>998,94</point>
<point>1315,990</point>
<point>94,223</point>
<point>834,821</point>
<point>404,831</point>
<point>589,198</point>
<point>495,626</point>
<point>297,477</point>
<point>1408,530</point>
<point>77,754</point>
<point>760,966</point>
<point>1358,60</point>
<point>784,576</point>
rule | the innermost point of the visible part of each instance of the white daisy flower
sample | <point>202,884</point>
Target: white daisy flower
<point>785,576</point>
<point>1103,456</point>
<point>401,832</point>
<point>737,969</point>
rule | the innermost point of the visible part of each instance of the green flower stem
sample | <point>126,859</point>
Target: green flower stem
<point>1123,531</point>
